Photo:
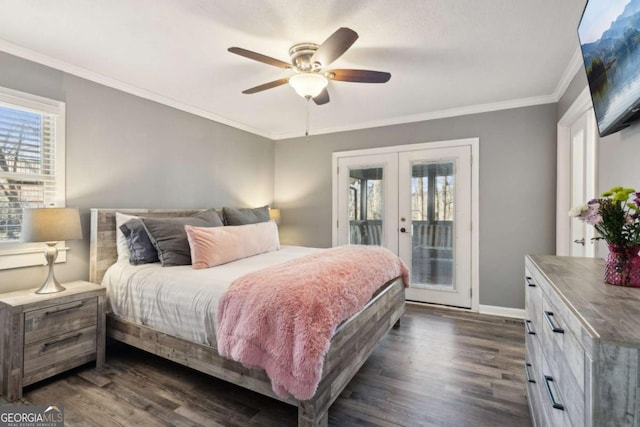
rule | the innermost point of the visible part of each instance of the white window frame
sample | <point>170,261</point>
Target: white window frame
<point>17,254</point>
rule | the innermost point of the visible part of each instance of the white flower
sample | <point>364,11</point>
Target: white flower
<point>578,210</point>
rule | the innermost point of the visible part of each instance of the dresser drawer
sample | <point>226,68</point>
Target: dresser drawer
<point>550,294</point>
<point>533,396</point>
<point>48,357</point>
<point>534,351</point>
<point>533,382</point>
<point>555,407</point>
<point>533,304</point>
<point>59,319</point>
<point>561,348</point>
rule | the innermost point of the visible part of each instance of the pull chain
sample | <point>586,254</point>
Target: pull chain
<point>306,132</point>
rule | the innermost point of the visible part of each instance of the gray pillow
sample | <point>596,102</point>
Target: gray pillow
<point>243,216</point>
<point>138,241</point>
<point>170,238</point>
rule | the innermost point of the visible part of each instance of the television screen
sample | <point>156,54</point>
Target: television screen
<point>609,33</point>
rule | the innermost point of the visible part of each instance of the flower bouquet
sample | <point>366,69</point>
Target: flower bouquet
<point>617,221</point>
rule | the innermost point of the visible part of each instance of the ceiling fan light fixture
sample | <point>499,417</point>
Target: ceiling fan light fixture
<point>308,85</point>
<point>310,62</point>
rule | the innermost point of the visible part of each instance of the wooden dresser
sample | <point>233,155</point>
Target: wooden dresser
<point>583,344</point>
<point>44,335</point>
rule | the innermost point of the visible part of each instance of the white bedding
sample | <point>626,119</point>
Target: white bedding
<point>181,301</point>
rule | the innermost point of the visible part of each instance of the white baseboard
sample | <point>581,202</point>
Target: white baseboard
<point>517,313</point>
<point>493,310</point>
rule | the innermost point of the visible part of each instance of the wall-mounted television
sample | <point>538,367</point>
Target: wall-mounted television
<point>609,34</point>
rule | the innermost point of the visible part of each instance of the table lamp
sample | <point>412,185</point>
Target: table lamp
<point>50,225</point>
<point>274,214</point>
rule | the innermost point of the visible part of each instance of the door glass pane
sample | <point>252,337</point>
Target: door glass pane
<point>366,206</point>
<point>433,216</point>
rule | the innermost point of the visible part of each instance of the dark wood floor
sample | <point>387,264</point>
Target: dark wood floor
<point>440,368</point>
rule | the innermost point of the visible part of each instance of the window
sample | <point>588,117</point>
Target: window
<point>31,168</point>
<point>432,188</point>
<point>366,194</point>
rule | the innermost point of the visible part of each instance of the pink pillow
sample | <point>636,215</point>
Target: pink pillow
<point>211,246</point>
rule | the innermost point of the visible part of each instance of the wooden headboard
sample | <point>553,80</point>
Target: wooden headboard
<point>102,245</point>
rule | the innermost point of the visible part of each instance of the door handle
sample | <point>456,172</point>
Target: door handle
<point>579,241</point>
<point>403,230</point>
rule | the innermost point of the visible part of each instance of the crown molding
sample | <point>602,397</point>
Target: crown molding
<point>441,114</point>
<point>66,67</point>
<point>57,64</point>
<point>569,73</point>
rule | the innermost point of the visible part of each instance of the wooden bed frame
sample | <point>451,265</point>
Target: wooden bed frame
<point>350,347</point>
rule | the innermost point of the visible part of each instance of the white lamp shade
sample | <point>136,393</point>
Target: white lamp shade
<point>308,84</point>
<point>50,224</point>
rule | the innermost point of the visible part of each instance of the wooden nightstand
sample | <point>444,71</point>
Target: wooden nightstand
<point>44,335</point>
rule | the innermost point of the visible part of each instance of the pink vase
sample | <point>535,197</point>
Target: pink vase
<point>622,266</point>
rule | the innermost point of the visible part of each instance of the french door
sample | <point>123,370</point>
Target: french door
<point>577,176</point>
<point>435,201</point>
<point>418,204</point>
<point>583,181</point>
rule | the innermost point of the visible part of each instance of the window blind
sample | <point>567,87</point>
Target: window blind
<point>27,165</point>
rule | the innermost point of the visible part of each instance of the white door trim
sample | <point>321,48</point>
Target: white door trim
<point>475,196</point>
<point>563,186</point>
<point>389,163</point>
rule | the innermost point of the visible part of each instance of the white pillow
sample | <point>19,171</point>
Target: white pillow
<point>211,246</point>
<point>121,241</point>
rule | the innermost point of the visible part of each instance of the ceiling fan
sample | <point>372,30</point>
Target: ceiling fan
<point>309,61</point>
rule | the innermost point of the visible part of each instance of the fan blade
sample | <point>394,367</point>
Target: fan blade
<point>358,76</point>
<point>334,46</point>
<point>266,86</point>
<point>323,98</point>
<point>259,57</point>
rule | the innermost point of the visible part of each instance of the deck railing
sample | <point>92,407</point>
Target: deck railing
<point>432,251</point>
<point>428,235</point>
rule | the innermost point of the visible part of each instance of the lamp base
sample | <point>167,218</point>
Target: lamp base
<point>51,285</point>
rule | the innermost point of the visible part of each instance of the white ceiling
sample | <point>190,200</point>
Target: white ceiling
<point>446,57</point>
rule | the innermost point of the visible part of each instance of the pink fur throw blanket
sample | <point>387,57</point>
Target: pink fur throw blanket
<point>282,318</point>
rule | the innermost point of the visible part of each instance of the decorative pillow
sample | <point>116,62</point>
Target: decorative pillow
<point>121,241</point>
<point>215,246</point>
<point>141,248</point>
<point>170,239</point>
<point>243,216</point>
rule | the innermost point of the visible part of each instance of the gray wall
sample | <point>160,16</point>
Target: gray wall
<point>125,151</point>
<point>619,157</point>
<point>517,187</point>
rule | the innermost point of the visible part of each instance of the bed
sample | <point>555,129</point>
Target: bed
<point>351,345</point>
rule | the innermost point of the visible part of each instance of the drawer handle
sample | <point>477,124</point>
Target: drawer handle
<point>555,328</point>
<point>51,313</point>
<point>530,282</point>
<point>527,373</point>
<point>527,325</point>
<point>49,345</point>
<point>556,405</point>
